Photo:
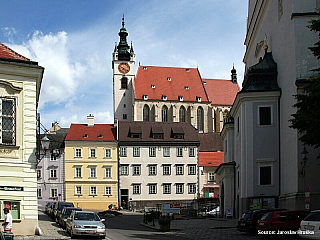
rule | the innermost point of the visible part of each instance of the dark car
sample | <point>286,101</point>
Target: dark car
<point>278,221</point>
<point>48,207</point>
<point>248,221</point>
<point>58,206</point>
<point>65,213</point>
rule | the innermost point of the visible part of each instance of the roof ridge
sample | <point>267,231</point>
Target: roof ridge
<point>14,52</point>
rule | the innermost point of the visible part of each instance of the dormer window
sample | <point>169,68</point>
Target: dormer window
<point>186,87</point>
<point>169,78</point>
<point>145,68</point>
<point>180,98</point>
<point>145,97</point>
<point>187,70</point>
<point>164,98</point>
<point>198,99</point>
<point>85,135</point>
<point>100,136</point>
<point>158,135</point>
<point>204,82</point>
<point>153,86</point>
<point>135,135</point>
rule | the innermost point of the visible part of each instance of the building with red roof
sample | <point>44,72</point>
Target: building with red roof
<point>91,165</point>
<point>168,94</point>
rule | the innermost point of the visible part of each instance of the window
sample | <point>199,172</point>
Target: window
<point>136,151</point>
<point>124,105</point>
<point>14,208</point>
<point>180,98</point>
<point>124,116</point>
<point>152,188</point>
<point>158,135</point>
<point>152,152</point>
<point>108,153</point>
<point>136,169</point>
<point>93,190</point>
<point>39,193</point>
<point>107,190</point>
<point>78,153</point>
<point>152,170</point>
<point>179,169</point>
<point>192,170</point>
<point>182,114</point>
<point>107,172</point>
<point>53,173</point>
<point>136,188</point>
<point>265,115</point>
<point>200,119</point>
<point>179,188</point>
<point>164,97</point>
<point>123,152</point>
<point>124,170</point>
<point>124,83</point>
<point>166,169</point>
<point>167,188</point>
<point>145,97</point>
<point>192,188</point>
<point>238,124</point>
<point>164,114</point>
<point>166,151</point>
<point>92,152</point>
<point>238,178</point>
<point>93,172</point>
<point>53,193</point>
<point>38,173</point>
<point>78,190</point>
<point>78,173</point>
<point>52,158</point>
<point>265,175</point>
<point>7,121</point>
<point>192,152</point>
<point>146,113</point>
<point>211,177</point>
<point>179,152</point>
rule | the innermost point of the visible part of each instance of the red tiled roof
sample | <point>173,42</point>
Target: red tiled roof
<point>211,159</point>
<point>221,92</point>
<point>6,52</point>
<point>185,82</point>
<point>98,132</point>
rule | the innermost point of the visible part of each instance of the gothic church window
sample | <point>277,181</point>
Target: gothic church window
<point>182,114</point>
<point>146,113</point>
<point>124,83</point>
<point>200,119</point>
<point>164,113</point>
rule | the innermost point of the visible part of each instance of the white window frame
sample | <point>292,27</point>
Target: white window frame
<point>192,188</point>
<point>123,151</point>
<point>153,188</point>
<point>179,188</point>
<point>108,172</point>
<point>180,169</point>
<point>192,169</point>
<point>136,170</point>
<point>93,190</point>
<point>53,173</point>
<point>108,153</point>
<point>76,172</point>
<point>93,153</point>
<point>152,170</point>
<point>152,151</point>
<point>108,190</point>
<point>39,193</point>
<point>39,175</point>
<point>192,151</point>
<point>167,169</point>
<point>93,172</point>
<point>78,190</point>
<point>78,152</point>
<point>136,189</point>
<point>136,151</point>
<point>53,192</point>
<point>13,117</point>
<point>166,188</point>
<point>211,177</point>
<point>166,151</point>
<point>52,158</point>
<point>124,170</point>
<point>179,151</point>
<point>266,163</point>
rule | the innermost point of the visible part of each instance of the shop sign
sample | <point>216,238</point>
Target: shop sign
<point>11,188</point>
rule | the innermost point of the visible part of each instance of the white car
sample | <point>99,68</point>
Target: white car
<point>214,212</point>
<point>310,226</point>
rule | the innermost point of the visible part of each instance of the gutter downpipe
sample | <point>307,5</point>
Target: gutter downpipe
<point>279,122</point>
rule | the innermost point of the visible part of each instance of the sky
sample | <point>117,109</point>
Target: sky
<point>74,40</point>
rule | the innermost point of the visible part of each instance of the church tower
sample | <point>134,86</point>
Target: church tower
<point>123,62</point>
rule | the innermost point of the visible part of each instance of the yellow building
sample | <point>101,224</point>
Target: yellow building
<point>20,81</point>
<point>91,165</point>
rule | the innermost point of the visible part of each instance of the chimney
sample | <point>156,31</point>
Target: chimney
<point>90,119</point>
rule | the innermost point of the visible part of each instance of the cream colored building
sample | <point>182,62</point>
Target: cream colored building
<point>91,165</point>
<point>20,82</point>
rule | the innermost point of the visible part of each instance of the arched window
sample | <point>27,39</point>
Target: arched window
<point>164,114</point>
<point>182,114</point>
<point>124,83</point>
<point>146,113</point>
<point>200,118</point>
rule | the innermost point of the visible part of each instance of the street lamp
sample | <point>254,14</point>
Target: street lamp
<point>45,142</point>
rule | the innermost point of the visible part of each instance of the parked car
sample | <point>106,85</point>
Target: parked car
<point>58,206</point>
<point>281,221</point>
<point>65,213</point>
<point>85,223</point>
<point>214,212</point>
<point>310,226</point>
<point>248,221</point>
<point>48,207</point>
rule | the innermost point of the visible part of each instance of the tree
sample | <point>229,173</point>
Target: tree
<point>307,118</point>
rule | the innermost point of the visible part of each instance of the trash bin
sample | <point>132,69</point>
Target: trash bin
<point>6,235</point>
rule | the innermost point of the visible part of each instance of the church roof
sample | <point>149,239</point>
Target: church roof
<point>221,92</point>
<point>98,132</point>
<point>210,142</point>
<point>171,82</point>
<point>6,52</point>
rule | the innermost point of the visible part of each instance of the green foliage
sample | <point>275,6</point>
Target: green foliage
<point>307,118</point>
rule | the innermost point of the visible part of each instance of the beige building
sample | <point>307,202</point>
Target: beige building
<point>91,165</point>
<point>20,82</point>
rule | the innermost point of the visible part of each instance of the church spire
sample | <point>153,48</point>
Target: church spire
<point>233,75</point>
<point>123,47</point>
